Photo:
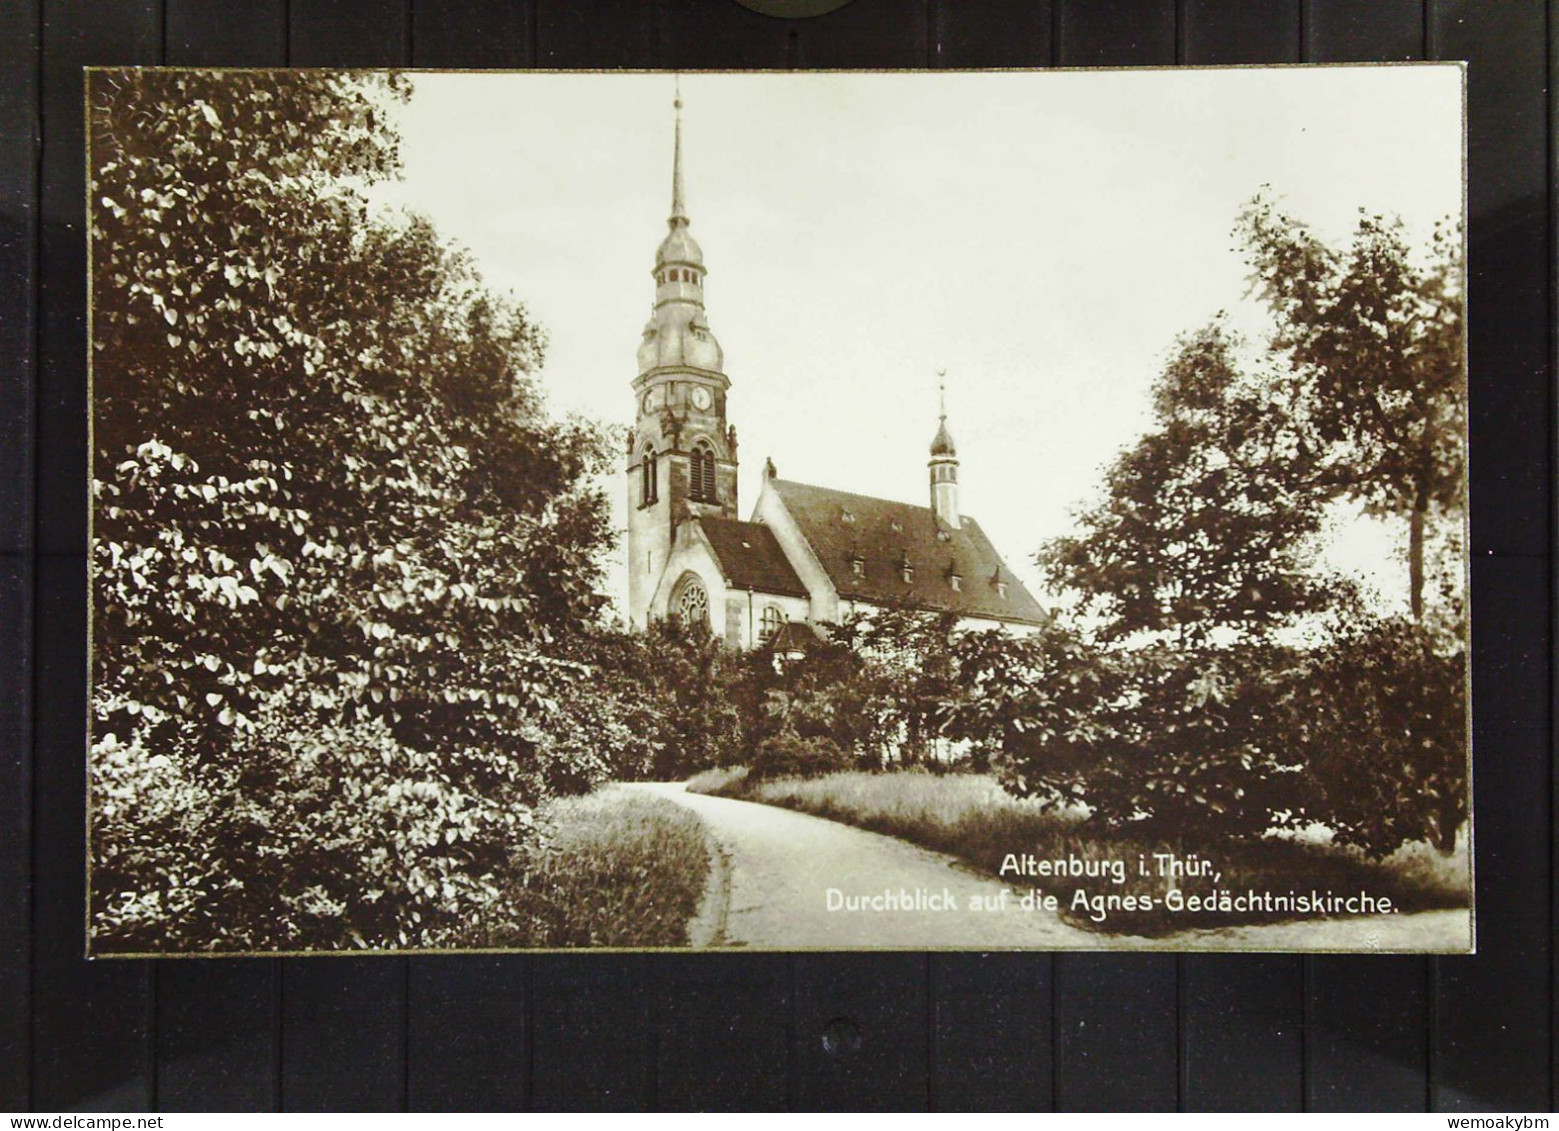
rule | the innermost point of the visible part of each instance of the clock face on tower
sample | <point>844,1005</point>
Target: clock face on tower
<point>654,398</point>
<point>701,398</point>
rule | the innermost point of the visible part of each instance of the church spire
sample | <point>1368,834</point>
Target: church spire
<point>678,207</point>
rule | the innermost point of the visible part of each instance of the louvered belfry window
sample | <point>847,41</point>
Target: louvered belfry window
<point>648,487</point>
<point>702,474</point>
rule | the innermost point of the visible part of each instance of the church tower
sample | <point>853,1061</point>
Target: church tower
<point>943,466</point>
<point>681,457</point>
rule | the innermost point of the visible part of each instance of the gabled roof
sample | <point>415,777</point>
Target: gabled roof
<point>884,536</point>
<point>750,556</point>
<point>794,636</point>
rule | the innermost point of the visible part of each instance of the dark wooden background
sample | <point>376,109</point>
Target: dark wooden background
<point>1064,1031</point>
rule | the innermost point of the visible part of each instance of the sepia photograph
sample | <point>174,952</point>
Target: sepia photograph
<point>984,510</point>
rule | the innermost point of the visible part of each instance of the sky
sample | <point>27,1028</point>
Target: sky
<point>1043,237</point>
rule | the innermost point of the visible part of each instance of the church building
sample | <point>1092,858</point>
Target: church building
<point>808,554</point>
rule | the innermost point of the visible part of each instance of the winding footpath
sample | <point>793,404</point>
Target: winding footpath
<point>777,874</point>
<point>776,868</point>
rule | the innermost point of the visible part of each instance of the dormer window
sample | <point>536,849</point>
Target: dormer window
<point>898,527</point>
<point>956,582</point>
<point>906,571</point>
<point>847,517</point>
<point>857,564</point>
<point>1001,589</point>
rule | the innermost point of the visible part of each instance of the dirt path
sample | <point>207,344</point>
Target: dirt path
<point>777,869</point>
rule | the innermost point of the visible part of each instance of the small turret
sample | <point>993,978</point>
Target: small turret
<point>943,466</point>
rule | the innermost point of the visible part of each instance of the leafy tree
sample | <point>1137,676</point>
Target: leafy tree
<point>1207,521</point>
<point>331,512</point>
<point>702,693</point>
<point>1206,708</point>
<point>1025,708</point>
<point>908,678</point>
<point>1375,331</point>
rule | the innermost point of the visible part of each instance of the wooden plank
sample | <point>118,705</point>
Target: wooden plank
<point>1116,1020</point>
<point>1116,33</point>
<point>473,33</point>
<point>90,1021</point>
<point>1242,1021</point>
<point>1240,31</point>
<point>722,35</point>
<point>1366,1033</point>
<point>467,1041</point>
<point>467,1048</point>
<point>602,33</point>
<point>1345,31</point>
<point>344,1019</point>
<point>1116,1040</point>
<point>349,33</point>
<point>343,1034</point>
<point>18,323</point>
<point>861,1040</point>
<point>1508,269</point>
<point>593,1033</point>
<point>864,33</point>
<point>218,1029</point>
<point>991,1044</point>
<point>239,33</point>
<point>993,33</point>
<point>1489,1011</point>
<point>1553,701</point>
<point>76,33</point>
<point>1241,1017</point>
<point>860,1035</point>
<point>724,1033</point>
<point>1367,1017</point>
<point>16,617</point>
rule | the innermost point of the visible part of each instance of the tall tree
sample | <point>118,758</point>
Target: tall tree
<point>1377,333</point>
<point>337,538</point>
<point>1206,522</point>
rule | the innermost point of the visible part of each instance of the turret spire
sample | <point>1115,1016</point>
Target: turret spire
<point>942,444</point>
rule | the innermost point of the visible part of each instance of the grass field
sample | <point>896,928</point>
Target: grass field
<point>620,869</point>
<point>970,816</point>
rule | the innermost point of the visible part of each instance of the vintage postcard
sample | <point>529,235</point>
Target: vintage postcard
<point>986,510</point>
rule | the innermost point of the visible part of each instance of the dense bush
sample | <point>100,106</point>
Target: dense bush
<point>1379,721</point>
<point>786,754</point>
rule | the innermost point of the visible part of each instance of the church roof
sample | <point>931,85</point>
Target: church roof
<point>750,556</point>
<point>884,536</point>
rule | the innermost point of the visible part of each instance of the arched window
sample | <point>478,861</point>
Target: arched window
<point>701,474</point>
<point>773,620</point>
<point>690,602</point>
<point>649,488</point>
